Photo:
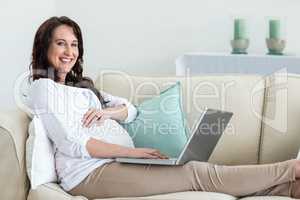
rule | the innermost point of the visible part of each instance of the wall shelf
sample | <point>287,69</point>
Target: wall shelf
<point>217,63</point>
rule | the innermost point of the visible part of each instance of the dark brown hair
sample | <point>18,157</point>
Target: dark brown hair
<point>41,68</point>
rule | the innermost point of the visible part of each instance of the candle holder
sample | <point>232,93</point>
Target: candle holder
<point>275,46</point>
<point>239,46</point>
<point>275,36</point>
<point>240,41</point>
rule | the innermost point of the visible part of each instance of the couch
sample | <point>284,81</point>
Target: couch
<point>265,127</point>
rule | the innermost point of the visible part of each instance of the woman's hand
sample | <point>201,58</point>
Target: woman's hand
<point>146,153</point>
<point>95,116</point>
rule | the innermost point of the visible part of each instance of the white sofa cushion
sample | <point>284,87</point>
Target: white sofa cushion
<point>52,191</point>
<point>191,195</point>
<point>40,161</point>
<point>267,198</point>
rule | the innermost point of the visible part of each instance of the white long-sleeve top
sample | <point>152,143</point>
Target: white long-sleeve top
<point>61,109</point>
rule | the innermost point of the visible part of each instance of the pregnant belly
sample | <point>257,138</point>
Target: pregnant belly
<point>111,131</point>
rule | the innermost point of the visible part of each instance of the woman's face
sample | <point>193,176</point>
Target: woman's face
<point>63,50</point>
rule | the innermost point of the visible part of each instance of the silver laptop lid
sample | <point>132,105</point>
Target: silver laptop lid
<point>202,142</point>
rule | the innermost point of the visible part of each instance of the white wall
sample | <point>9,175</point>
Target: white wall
<point>138,36</point>
<point>18,23</point>
<point>145,36</point>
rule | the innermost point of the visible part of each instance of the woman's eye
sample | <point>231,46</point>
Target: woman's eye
<point>60,43</point>
<point>75,45</point>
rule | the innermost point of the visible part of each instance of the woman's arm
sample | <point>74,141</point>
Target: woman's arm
<point>99,149</point>
<point>118,108</point>
<point>115,102</point>
<point>119,112</point>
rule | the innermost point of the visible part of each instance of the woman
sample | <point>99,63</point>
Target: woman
<point>81,122</point>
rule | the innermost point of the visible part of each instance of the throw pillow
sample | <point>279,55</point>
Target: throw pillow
<point>40,161</point>
<point>160,123</point>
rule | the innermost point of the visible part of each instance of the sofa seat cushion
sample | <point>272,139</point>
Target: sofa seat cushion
<point>266,198</point>
<point>51,191</point>
<point>182,196</point>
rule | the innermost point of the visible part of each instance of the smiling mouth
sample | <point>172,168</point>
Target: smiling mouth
<point>66,60</point>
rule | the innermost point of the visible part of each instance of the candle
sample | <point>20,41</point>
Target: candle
<point>239,29</point>
<point>274,28</point>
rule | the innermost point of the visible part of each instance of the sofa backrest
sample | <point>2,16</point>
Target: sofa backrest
<point>241,94</point>
<point>280,137</point>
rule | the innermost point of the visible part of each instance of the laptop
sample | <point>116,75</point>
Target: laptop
<point>200,144</point>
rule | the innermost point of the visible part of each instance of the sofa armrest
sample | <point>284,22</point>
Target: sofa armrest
<point>15,122</point>
<point>51,191</point>
<point>13,133</point>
